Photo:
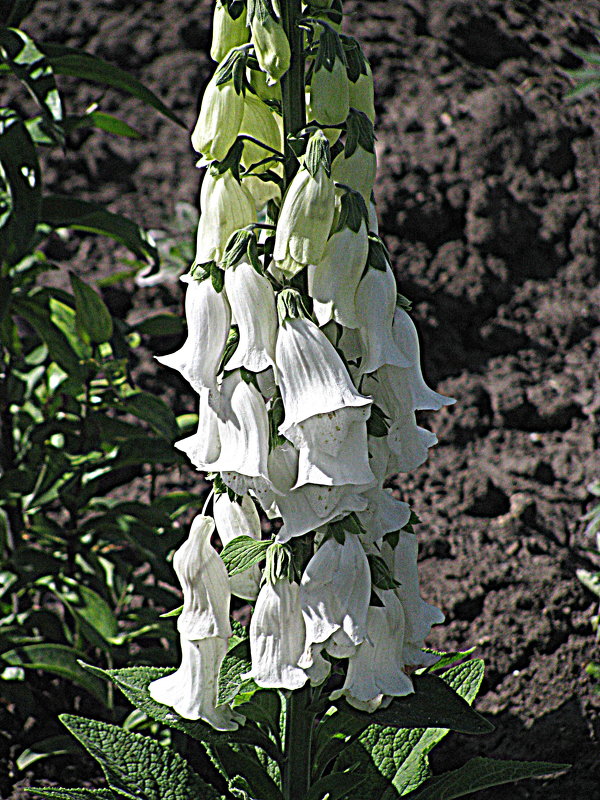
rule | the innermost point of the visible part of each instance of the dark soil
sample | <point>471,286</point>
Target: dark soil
<point>489,200</point>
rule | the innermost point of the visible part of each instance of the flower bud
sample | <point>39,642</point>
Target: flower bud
<point>227,32</point>
<point>271,46</point>
<point>328,96</point>
<point>219,120</point>
<point>356,171</point>
<point>261,123</point>
<point>225,206</point>
<point>361,93</point>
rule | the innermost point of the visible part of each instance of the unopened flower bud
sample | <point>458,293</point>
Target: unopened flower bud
<point>219,120</point>
<point>225,206</point>
<point>227,32</point>
<point>271,46</point>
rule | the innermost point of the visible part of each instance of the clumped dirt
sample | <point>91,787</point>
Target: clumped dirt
<point>489,200</point>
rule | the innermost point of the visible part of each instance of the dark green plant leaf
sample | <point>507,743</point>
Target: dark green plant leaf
<point>91,312</point>
<point>482,773</point>
<point>103,121</point>
<point>13,12</point>
<point>336,786</point>
<point>58,659</point>
<point>154,411</point>
<point>60,211</point>
<point>243,552</point>
<point>96,617</point>
<point>52,746</point>
<point>235,664</point>
<point>161,325</point>
<point>21,187</point>
<point>69,61</point>
<point>231,762</point>
<point>137,766</point>
<point>72,794</point>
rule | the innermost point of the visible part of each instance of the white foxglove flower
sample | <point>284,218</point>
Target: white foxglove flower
<point>192,690</point>
<point>409,443</point>
<point>356,171</point>
<point>304,222</point>
<point>376,670</point>
<point>419,615</point>
<point>383,514</point>
<point>239,519</point>
<point>335,590</point>
<point>225,206</point>
<point>205,585</point>
<point>208,319</point>
<point>252,302</point>
<point>361,93</point>
<point>203,447</point>
<point>244,434</point>
<point>375,306</point>
<point>260,123</point>
<point>271,46</point>
<point>312,377</point>
<point>219,120</point>
<point>226,31</point>
<point>277,637</point>
<point>406,337</point>
<point>329,95</point>
<point>333,281</point>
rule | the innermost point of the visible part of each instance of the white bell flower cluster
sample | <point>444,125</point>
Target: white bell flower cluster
<point>306,365</point>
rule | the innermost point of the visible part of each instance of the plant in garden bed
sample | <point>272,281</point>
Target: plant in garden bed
<point>73,426</point>
<point>305,362</point>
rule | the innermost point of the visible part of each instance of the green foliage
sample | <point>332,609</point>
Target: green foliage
<point>586,79</point>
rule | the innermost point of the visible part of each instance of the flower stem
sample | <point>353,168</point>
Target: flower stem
<point>292,83</point>
<point>298,739</point>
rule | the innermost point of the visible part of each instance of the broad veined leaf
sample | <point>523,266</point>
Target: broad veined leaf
<point>235,664</point>
<point>161,325</point>
<point>137,766</point>
<point>482,773</point>
<point>52,746</point>
<point>60,660</point>
<point>21,187</point>
<point>72,794</point>
<point>243,552</point>
<point>61,211</point>
<point>153,410</point>
<point>68,61</point>
<point>96,617</point>
<point>91,312</point>
<point>336,786</point>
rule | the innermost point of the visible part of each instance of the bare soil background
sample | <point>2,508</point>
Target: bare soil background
<point>489,200</point>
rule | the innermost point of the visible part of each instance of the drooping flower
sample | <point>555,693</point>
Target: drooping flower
<point>376,670</point>
<point>208,319</point>
<point>225,205</point>
<point>329,99</point>
<point>252,302</point>
<point>271,45</point>
<point>234,519</point>
<point>277,637</point>
<point>383,513</point>
<point>203,447</point>
<point>260,123</point>
<point>357,170</point>
<point>192,689</point>
<point>226,31</point>
<point>219,120</point>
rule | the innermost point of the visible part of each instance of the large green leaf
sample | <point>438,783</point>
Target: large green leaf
<point>93,613</point>
<point>154,411</point>
<point>61,211</point>
<point>482,773</point>
<point>91,312</point>
<point>68,61</point>
<point>138,767</point>
<point>72,794</point>
<point>20,187</point>
<point>58,659</point>
<point>31,67</point>
<point>235,664</point>
<point>243,552</point>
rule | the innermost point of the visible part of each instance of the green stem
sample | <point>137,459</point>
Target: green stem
<point>298,739</point>
<point>292,83</point>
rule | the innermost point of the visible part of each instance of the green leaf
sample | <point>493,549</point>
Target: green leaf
<point>335,786</point>
<point>31,67</point>
<point>61,211</point>
<point>482,773</point>
<point>15,11</point>
<point>154,411</point>
<point>243,552</point>
<point>161,325</point>
<point>235,664</point>
<point>91,311</point>
<point>72,794</point>
<point>58,659</point>
<point>52,746</point>
<point>21,187</point>
<point>103,121</point>
<point>92,611</point>
<point>137,766</point>
<point>69,61</point>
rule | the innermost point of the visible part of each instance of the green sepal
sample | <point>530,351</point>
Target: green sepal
<point>235,8</point>
<point>233,338</point>
<point>378,422</point>
<point>359,131</point>
<point>244,552</point>
<point>413,520</point>
<point>241,244</point>
<point>231,161</point>
<point>392,538</point>
<point>261,10</point>
<point>233,68</point>
<point>290,305</point>
<point>356,63</point>
<point>381,577</point>
<point>378,257</point>
<point>353,210</point>
<point>276,414</point>
<point>318,154</point>
<point>403,302</point>
<point>217,277</point>
<point>330,49</point>
<point>279,564</point>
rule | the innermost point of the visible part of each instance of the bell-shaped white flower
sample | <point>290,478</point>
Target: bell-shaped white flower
<point>357,170</point>
<point>203,447</point>
<point>304,222</point>
<point>219,120</point>
<point>376,670</point>
<point>361,93</point>
<point>271,46</point>
<point>205,584</point>
<point>260,123</point>
<point>277,637</point>
<point>239,519</point>
<point>252,302</point>
<point>335,590</point>
<point>383,514</point>
<point>208,318</point>
<point>192,689</point>
<point>261,191</point>
<point>419,615</point>
<point>226,31</point>
<point>333,281</point>
<point>312,376</point>
<point>329,99</point>
<point>244,434</point>
<point>406,337</point>
<point>225,206</point>
<point>375,305</point>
